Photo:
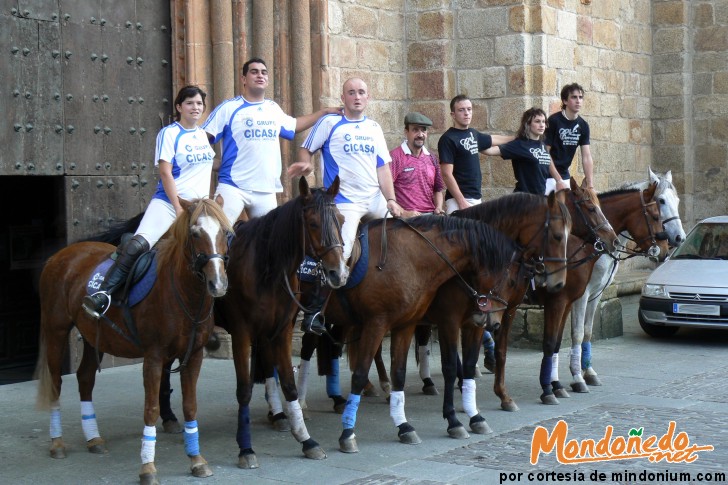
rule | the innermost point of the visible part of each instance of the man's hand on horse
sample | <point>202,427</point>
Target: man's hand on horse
<point>300,169</point>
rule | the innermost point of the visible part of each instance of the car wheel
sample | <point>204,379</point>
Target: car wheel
<point>658,331</point>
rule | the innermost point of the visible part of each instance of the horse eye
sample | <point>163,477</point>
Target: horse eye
<point>662,201</point>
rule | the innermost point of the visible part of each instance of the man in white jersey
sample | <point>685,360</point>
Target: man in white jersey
<point>249,127</point>
<point>352,147</point>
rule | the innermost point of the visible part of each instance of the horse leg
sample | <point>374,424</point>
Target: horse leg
<point>400,344</point>
<point>590,375</point>
<point>276,416</point>
<point>86,377</point>
<point>559,390</point>
<point>243,392</point>
<point>448,360</point>
<point>367,344</point>
<point>501,349</point>
<point>308,345</point>
<point>423,333</point>
<point>553,311</point>
<point>152,371</point>
<point>282,348</point>
<point>384,382</point>
<point>578,312</point>
<point>169,420</point>
<point>188,378</point>
<point>471,341</point>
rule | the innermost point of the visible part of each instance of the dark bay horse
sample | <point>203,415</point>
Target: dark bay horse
<point>259,308</point>
<point>422,254</point>
<point>628,210</point>
<point>172,322</point>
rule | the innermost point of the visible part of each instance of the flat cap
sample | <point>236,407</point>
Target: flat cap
<point>417,119</point>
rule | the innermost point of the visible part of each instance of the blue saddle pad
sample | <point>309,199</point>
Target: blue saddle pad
<point>307,271</point>
<point>138,291</point>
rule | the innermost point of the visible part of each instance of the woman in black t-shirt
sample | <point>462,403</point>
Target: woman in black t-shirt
<point>528,153</point>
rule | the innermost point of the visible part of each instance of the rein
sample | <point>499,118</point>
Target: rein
<point>595,240</point>
<point>654,250</point>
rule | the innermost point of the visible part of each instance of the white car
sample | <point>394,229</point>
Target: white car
<point>690,289</point>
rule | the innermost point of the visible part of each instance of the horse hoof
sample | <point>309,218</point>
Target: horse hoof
<point>201,470</point>
<point>280,422</point>
<point>248,462</point>
<point>580,387</point>
<point>339,404</point>
<point>58,453</point>
<point>172,426</point>
<point>549,399</point>
<point>480,427</point>
<point>410,438</point>
<point>369,391</point>
<point>561,393</point>
<point>96,446</point>
<point>458,432</point>
<point>430,390</point>
<point>593,380</point>
<point>386,387</point>
<point>509,406</point>
<point>315,453</point>
<point>348,445</point>
<point>148,479</point>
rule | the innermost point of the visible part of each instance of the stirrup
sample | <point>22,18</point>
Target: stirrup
<point>313,323</point>
<point>93,306</point>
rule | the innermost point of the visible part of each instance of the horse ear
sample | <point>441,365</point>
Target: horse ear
<point>668,176</point>
<point>559,196</point>
<point>649,192</point>
<point>219,200</point>
<point>575,185</point>
<point>186,204</point>
<point>303,187</point>
<point>334,188</point>
<point>653,178</point>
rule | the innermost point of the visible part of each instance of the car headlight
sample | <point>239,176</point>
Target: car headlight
<point>654,291</point>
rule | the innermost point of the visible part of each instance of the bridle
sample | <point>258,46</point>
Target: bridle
<point>594,238</point>
<point>309,247</point>
<point>539,262</point>
<point>654,251</point>
<point>198,259</point>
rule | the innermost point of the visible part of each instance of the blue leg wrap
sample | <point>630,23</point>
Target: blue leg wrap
<point>348,419</point>
<point>332,380</point>
<point>243,436</point>
<point>192,438</point>
<point>488,343</point>
<point>585,355</point>
<point>546,366</point>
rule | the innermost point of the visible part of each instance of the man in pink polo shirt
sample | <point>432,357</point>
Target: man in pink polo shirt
<point>418,184</point>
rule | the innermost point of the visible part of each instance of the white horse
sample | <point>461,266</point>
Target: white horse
<point>583,310</point>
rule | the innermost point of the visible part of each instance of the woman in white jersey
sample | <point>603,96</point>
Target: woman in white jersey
<point>184,158</point>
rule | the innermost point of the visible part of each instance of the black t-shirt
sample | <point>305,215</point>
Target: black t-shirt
<point>564,136</point>
<point>530,161</point>
<point>461,149</point>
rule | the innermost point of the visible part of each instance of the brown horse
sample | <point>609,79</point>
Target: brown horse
<point>258,309</point>
<point>172,322</point>
<point>399,285</point>
<point>628,210</point>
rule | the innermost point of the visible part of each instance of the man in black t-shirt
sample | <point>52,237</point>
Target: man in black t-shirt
<point>459,150</point>
<point>566,131</point>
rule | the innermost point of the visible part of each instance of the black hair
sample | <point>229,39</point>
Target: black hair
<point>246,66</point>
<point>189,91</point>
<point>526,119</point>
<point>566,92</point>
<point>456,100</point>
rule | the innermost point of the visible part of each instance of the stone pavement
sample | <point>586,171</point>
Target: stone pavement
<point>647,384</point>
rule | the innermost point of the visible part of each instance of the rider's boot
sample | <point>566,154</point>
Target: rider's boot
<point>97,304</point>
<point>313,319</point>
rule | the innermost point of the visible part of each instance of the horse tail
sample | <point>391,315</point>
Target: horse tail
<point>46,393</point>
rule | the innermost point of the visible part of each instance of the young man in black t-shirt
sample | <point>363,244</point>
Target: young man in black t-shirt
<point>566,131</point>
<point>459,151</point>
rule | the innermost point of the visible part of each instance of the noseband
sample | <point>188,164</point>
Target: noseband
<point>198,260</point>
<point>654,250</point>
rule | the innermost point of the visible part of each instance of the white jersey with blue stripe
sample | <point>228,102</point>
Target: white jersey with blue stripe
<point>191,157</point>
<point>251,152</point>
<point>353,150</point>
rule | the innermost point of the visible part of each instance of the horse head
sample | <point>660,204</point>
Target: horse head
<point>656,242</point>
<point>551,265</point>
<point>668,202</point>
<point>322,224</point>
<point>207,240</point>
<point>589,222</point>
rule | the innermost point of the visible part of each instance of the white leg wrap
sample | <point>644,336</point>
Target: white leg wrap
<point>295,418</point>
<point>55,430</point>
<point>575,360</point>
<point>88,421</point>
<point>274,399</point>
<point>149,440</point>
<point>555,367</point>
<point>302,384</point>
<point>423,352</point>
<point>396,407</point>
<point>469,405</point>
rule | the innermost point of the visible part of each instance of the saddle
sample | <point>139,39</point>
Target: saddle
<point>138,284</point>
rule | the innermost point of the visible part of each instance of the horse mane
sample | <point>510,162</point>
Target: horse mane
<point>115,231</point>
<point>506,211</point>
<point>618,191</point>
<point>663,185</point>
<point>592,196</point>
<point>490,247</point>
<point>173,244</point>
<point>276,240</point>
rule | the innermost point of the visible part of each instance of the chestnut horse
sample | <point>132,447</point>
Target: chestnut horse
<point>172,322</point>
<point>401,280</point>
<point>258,309</point>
